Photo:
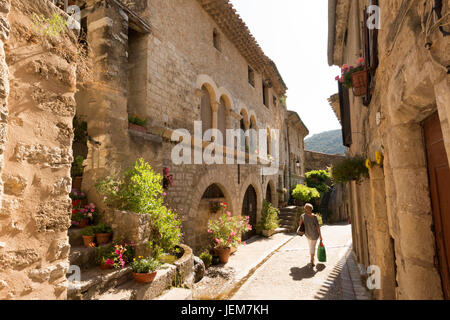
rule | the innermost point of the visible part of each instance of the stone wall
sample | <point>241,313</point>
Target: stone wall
<point>391,212</point>
<point>35,212</point>
<point>320,161</point>
<point>159,75</point>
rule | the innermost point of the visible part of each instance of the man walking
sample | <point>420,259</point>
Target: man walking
<point>312,230</point>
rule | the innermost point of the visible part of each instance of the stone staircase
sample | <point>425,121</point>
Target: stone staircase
<point>288,218</point>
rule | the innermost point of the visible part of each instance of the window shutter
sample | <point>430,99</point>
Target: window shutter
<point>344,102</point>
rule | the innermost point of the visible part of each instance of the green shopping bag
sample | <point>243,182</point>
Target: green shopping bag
<point>321,253</point>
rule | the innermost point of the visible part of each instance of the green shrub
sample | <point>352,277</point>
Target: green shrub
<point>206,258</point>
<point>304,193</point>
<point>140,190</point>
<point>269,217</point>
<point>349,169</point>
<point>318,179</point>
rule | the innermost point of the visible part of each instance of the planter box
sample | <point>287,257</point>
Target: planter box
<point>359,83</point>
<point>268,233</point>
<point>137,128</point>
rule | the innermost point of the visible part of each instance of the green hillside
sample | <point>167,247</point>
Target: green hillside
<point>326,142</point>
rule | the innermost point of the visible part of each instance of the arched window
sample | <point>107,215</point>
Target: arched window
<point>243,128</point>
<point>213,192</point>
<point>253,140</point>
<point>206,110</point>
<point>222,120</point>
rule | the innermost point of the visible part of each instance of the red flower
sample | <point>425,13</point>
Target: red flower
<point>74,211</point>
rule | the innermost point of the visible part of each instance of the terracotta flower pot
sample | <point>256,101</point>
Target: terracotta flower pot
<point>359,83</point>
<point>144,277</point>
<point>137,128</point>
<point>83,223</point>
<point>76,183</point>
<point>223,253</point>
<point>105,266</point>
<point>102,238</point>
<point>88,240</point>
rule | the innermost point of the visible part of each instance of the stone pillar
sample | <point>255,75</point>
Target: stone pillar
<point>4,86</point>
<point>106,112</point>
<point>411,215</point>
<point>384,254</point>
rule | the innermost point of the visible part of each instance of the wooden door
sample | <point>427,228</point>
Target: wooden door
<point>439,175</point>
<point>249,208</point>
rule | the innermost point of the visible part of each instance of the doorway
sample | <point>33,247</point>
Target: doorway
<point>249,208</point>
<point>439,176</point>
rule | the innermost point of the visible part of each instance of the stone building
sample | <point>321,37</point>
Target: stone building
<point>171,62</point>
<point>400,215</point>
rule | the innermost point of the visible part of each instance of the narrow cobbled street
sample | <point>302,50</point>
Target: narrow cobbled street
<point>287,276</point>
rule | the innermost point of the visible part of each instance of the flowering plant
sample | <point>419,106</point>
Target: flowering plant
<point>217,206</point>
<point>347,71</point>
<point>227,230</point>
<point>117,255</point>
<point>75,195</point>
<point>80,213</point>
<point>142,265</point>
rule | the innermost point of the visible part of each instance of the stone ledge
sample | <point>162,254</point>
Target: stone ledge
<point>146,136</point>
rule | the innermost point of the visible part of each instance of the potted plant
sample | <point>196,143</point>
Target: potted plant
<point>269,220</point>
<point>77,172</point>
<point>88,236</point>
<point>115,255</point>
<point>104,256</point>
<point>79,217</point>
<point>102,233</point>
<point>145,270</point>
<point>305,194</point>
<point>227,231</point>
<point>78,198</point>
<point>137,124</point>
<point>207,258</point>
<point>355,77</point>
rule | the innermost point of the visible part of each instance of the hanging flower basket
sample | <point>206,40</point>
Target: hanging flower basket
<point>355,77</point>
<point>359,83</point>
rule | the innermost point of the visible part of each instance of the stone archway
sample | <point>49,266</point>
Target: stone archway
<point>249,208</point>
<point>271,193</point>
<point>196,221</point>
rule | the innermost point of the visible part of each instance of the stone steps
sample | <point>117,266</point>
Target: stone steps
<point>84,257</point>
<point>95,281</point>
<point>132,290</point>
<point>75,238</point>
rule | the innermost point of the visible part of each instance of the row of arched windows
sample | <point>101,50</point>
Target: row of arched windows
<point>216,115</point>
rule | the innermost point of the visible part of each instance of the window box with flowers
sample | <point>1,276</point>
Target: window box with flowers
<point>355,77</point>
<point>137,124</point>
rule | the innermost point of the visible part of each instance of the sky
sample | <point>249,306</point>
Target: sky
<point>294,34</point>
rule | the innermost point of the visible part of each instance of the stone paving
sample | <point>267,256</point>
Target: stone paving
<point>286,274</point>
